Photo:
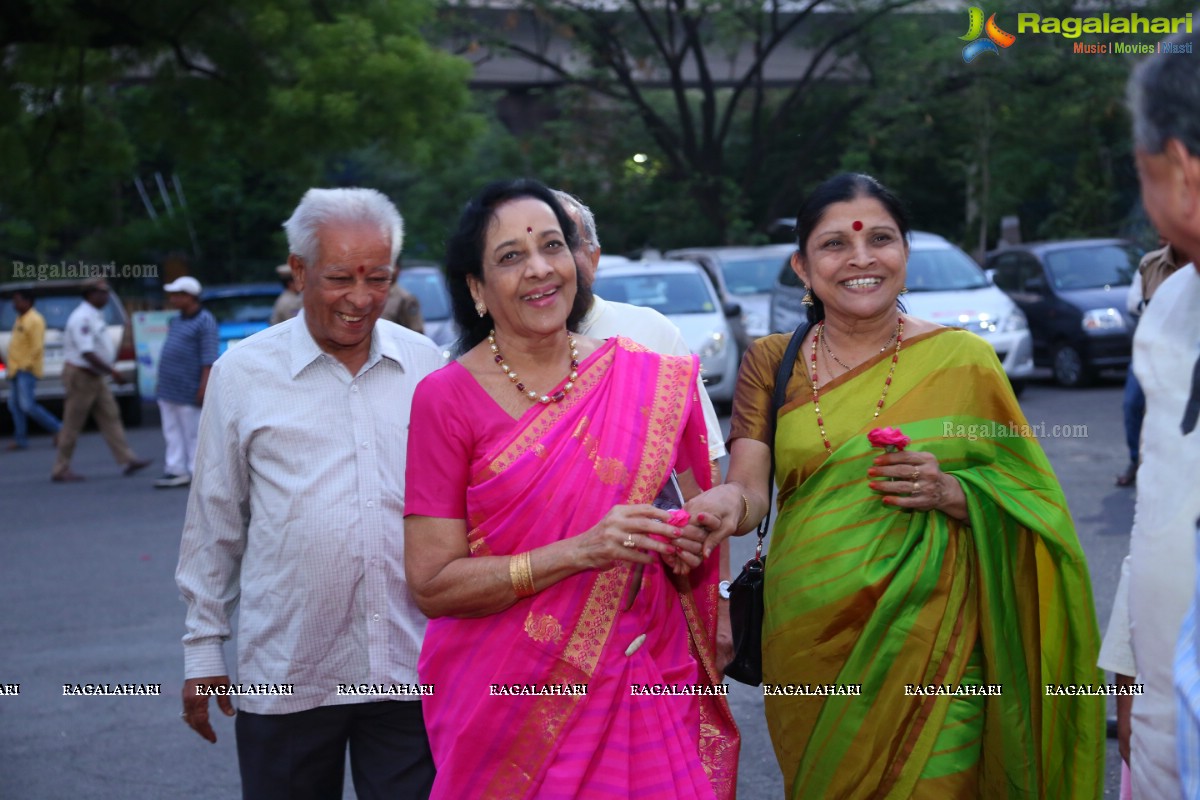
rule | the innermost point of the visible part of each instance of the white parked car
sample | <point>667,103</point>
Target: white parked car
<point>944,286</point>
<point>682,292</point>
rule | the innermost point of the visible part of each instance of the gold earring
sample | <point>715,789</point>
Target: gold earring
<point>480,308</point>
<point>807,300</point>
<point>903,290</point>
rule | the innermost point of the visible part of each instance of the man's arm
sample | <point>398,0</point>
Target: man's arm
<point>1116,655</point>
<point>210,344</point>
<point>412,314</point>
<point>210,553</point>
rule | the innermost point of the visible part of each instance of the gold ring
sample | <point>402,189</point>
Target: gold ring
<point>916,475</point>
<point>916,490</point>
<point>628,542</point>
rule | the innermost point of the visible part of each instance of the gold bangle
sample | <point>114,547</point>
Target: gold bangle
<point>520,572</point>
<point>745,514</point>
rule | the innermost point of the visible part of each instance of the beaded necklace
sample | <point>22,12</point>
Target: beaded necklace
<point>530,393</point>
<point>887,383</point>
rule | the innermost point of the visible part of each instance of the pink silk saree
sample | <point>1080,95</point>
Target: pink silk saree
<point>633,417</point>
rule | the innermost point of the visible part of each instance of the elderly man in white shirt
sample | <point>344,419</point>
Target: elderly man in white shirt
<point>296,513</point>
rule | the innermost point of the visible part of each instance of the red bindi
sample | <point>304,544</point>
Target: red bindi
<point>857,225</point>
<point>529,230</point>
<point>361,270</point>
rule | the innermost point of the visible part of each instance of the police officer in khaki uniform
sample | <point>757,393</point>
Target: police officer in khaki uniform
<point>90,358</point>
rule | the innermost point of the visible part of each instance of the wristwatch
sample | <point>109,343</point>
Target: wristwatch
<point>723,589</point>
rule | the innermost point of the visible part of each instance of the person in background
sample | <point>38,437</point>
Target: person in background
<point>605,319</point>
<point>1164,750</point>
<point>1154,268</point>
<point>89,360</point>
<point>184,363</point>
<point>296,516</point>
<point>402,307</point>
<point>289,302</point>
<point>533,545</point>
<point>950,561</point>
<point>26,352</point>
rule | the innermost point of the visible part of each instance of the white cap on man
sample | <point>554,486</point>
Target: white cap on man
<point>187,284</point>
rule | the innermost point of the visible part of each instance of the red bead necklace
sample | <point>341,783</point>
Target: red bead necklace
<point>544,399</point>
<point>887,383</point>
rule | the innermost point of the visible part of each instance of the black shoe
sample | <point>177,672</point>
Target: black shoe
<point>170,481</point>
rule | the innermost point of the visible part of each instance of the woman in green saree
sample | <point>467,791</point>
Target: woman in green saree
<point>940,589</point>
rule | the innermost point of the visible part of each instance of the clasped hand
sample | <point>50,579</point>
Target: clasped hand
<point>634,533</point>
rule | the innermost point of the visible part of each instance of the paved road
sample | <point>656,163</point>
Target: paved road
<point>88,595</point>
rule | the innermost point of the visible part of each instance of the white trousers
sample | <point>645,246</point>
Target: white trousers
<point>180,426</point>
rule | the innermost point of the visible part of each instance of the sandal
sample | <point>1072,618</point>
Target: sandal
<point>1128,477</point>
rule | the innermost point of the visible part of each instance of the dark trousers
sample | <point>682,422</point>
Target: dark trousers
<point>302,756</point>
<point>1134,407</point>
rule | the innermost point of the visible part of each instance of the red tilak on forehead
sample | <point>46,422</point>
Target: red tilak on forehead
<point>529,230</point>
<point>857,225</point>
<point>361,270</point>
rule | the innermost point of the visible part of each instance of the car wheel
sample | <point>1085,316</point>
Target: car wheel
<point>1069,367</point>
<point>131,411</point>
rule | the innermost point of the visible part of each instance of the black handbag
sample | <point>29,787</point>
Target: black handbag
<point>746,590</point>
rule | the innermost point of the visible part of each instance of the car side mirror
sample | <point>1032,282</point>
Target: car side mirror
<point>1036,284</point>
<point>732,309</point>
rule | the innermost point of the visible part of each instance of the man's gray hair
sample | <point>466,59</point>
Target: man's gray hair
<point>1164,96</point>
<point>321,206</point>
<point>587,231</point>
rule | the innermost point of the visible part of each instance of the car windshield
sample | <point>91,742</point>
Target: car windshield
<point>751,274</point>
<point>430,291</point>
<point>56,309</point>
<point>241,307</point>
<point>1092,267</point>
<point>667,293</point>
<point>943,270</point>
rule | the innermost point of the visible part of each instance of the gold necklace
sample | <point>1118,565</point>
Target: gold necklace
<point>843,364</point>
<point>530,393</point>
<point>887,383</point>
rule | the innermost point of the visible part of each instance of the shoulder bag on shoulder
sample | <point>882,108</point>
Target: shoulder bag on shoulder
<point>746,590</point>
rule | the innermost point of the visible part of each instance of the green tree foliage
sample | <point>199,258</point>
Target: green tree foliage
<point>1036,131</point>
<point>246,102</point>
<point>700,78</point>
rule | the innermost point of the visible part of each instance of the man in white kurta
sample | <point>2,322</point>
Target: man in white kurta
<point>1162,551</point>
<point>1164,95</point>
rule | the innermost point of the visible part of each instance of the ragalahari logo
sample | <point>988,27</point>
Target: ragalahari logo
<point>995,40</point>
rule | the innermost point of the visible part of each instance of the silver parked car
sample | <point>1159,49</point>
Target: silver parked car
<point>744,275</point>
<point>683,293</point>
<point>429,286</point>
<point>944,286</point>
<point>55,300</point>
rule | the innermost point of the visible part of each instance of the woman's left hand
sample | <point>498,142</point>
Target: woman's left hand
<point>917,483</point>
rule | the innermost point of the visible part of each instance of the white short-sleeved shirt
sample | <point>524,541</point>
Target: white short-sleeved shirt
<point>87,332</point>
<point>654,331</point>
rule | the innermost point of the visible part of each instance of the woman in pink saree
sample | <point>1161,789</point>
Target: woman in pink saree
<point>572,632</point>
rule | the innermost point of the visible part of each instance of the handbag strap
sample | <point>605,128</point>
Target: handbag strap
<point>782,376</point>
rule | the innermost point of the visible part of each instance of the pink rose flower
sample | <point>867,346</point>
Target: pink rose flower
<point>890,439</point>
<point>679,518</point>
